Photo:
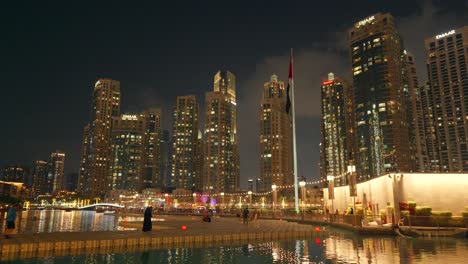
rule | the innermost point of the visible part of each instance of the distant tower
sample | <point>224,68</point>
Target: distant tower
<point>152,121</point>
<point>165,158</point>
<point>275,137</point>
<point>128,152</point>
<point>55,176</point>
<point>447,63</point>
<point>337,136</point>
<point>96,152</point>
<point>382,123</point>
<point>221,153</point>
<point>40,177</point>
<point>185,143</point>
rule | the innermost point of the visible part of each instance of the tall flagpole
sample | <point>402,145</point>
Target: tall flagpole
<point>293,104</point>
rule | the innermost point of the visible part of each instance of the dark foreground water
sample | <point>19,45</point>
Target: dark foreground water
<point>339,247</point>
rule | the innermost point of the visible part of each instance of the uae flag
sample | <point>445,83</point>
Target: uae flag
<point>290,84</point>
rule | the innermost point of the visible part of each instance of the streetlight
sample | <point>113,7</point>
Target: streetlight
<point>222,199</point>
<point>273,187</point>
<point>194,198</point>
<point>166,200</point>
<point>302,184</point>
<point>352,186</point>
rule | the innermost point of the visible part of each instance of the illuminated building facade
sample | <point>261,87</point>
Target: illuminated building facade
<point>40,174</point>
<point>165,157</point>
<point>337,129</point>
<point>447,62</point>
<point>128,152</point>
<point>221,166</point>
<point>276,166</point>
<point>185,170</point>
<point>416,116</point>
<point>55,176</point>
<point>152,120</point>
<point>382,127</point>
<point>96,152</point>
<point>14,173</point>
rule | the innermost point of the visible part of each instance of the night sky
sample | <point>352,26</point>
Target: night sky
<point>52,54</point>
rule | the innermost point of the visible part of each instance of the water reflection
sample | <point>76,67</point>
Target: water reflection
<point>40,221</point>
<point>339,247</point>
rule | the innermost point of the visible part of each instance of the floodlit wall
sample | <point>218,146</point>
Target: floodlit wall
<point>442,192</point>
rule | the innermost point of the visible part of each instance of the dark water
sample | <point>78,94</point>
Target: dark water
<point>339,247</point>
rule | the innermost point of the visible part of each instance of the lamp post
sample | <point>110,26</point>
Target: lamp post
<point>331,190</point>
<point>166,201</point>
<point>222,200</point>
<point>302,184</point>
<point>250,197</point>
<point>273,187</point>
<point>352,185</point>
<point>194,199</point>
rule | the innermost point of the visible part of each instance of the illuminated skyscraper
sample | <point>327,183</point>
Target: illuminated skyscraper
<point>14,173</point>
<point>55,177</point>
<point>221,153</point>
<point>185,170</point>
<point>165,157</point>
<point>96,152</point>
<point>447,62</point>
<point>128,151</point>
<point>337,129</point>
<point>152,120</point>
<point>40,177</point>
<point>275,137</point>
<point>380,102</point>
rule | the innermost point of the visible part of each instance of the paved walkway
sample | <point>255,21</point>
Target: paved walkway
<point>167,234</point>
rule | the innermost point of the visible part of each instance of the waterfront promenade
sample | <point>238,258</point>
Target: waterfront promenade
<point>165,234</point>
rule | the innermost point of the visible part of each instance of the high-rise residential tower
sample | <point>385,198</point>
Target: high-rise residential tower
<point>276,165</point>
<point>14,173</point>
<point>447,62</point>
<point>96,152</point>
<point>165,158</point>
<point>152,120</point>
<point>221,153</point>
<point>55,177</point>
<point>128,152</point>
<point>337,129</point>
<point>185,143</point>
<point>382,127</point>
<point>40,174</point>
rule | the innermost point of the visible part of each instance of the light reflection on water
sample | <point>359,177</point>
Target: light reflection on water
<point>339,247</point>
<point>40,221</point>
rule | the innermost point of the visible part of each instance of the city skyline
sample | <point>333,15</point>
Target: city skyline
<point>44,141</point>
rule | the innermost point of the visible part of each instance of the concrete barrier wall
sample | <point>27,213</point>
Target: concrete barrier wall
<point>442,192</point>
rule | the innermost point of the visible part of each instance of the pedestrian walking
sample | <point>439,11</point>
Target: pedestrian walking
<point>245,215</point>
<point>147,225</point>
<point>11,217</point>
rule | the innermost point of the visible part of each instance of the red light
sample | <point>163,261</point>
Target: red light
<point>317,229</point>
<point>281,219</point>
<point>193,218</point>
<point>327,82</point>
<point>184,227</point>
<point>317,241</point>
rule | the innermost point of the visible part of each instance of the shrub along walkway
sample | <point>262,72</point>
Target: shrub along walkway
<point>166,234</point>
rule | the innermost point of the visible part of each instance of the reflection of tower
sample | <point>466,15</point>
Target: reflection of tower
<point>380,103</point>
<point>221,153</point>
<point>276,165</point>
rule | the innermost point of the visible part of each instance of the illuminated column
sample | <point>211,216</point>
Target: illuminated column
<point>166,201</point>
<point>250,197</point>
<point>222,200</point>
<point>331,190</point>
<point>302,184</point>
<point>273,187</point>
<point>352,185</point>
<point>194,198</point>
